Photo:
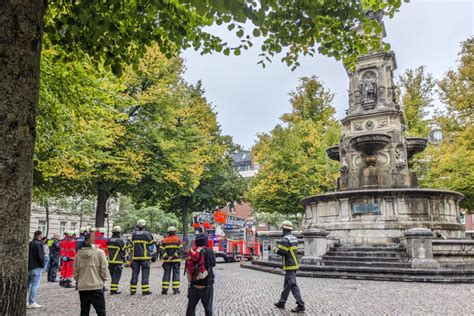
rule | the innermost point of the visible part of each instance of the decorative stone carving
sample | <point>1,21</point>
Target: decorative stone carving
<point>344,162</point>
<point>381,95</point>
<point>382,123</point>
<point>400,160</point>
<point>357,97</point>
<point>369,89</point>
<point>358,126</point>
<point>369,125</point>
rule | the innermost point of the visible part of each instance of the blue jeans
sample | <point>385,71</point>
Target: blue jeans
<point>34,277</point>
<point>46,260</point>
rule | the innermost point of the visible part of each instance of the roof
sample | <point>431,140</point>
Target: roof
<point>242,157</point>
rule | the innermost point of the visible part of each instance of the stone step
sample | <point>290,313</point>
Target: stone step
<point>427,277</point>
<point>379,264</point>
<point>366,254</point>
<point>371,270</point>
<point>368,249</point>
<point>373,259</point>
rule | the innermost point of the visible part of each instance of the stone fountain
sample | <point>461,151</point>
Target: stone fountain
<point>378,224</point>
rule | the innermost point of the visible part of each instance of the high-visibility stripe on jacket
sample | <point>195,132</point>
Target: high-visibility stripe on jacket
<point>141,239</point>
<point>116,249</point>
<point>171,249</point>
<point>287,250</point>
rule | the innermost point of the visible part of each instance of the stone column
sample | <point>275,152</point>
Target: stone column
<point>315,245</point>
<point>420,248</point>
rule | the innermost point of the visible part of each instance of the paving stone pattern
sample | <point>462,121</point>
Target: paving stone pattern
<point>246,292</point>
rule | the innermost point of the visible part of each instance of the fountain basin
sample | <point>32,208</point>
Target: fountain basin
<point>415,145</point>
<point>370,144</point>
<point>333,153</point>
<point>381,216</point>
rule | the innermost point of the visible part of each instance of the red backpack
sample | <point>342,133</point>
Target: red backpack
<point>195,264</point>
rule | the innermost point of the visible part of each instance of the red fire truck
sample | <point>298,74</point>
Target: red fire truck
<point>230,242</point>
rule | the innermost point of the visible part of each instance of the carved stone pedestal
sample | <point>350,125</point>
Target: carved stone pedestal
<point>420,248</point>
<point>315,245</point>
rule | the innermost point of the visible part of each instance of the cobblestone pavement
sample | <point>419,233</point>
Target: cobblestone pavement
<point>246,292</point>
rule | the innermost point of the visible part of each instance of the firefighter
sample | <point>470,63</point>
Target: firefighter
<point>101,240</point>
<point>68,253</point>
<point>287,250</point>
<point>81,240</point>
<point>171,250</point>
<point>116,256</point>
<point>54,250</point>
<point>142,240</point>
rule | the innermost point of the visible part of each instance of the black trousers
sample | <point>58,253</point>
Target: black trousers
<point>115,275</point>
<point>94,298</point>
<point>171,267</point>
<point>205,295</point>
<point>53,266</point>
<point>290,285</point>
<point>144,265</point>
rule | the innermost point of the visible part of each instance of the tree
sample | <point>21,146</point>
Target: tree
<point>415,91</point>
<point>116,32</point>
<point>451,162</point>
<point>293,155</point>
<point>85,146</point>
<point>157,219</point>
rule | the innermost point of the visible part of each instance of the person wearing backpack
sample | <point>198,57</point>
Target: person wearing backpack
<point>199,266</point>
<point>287,250</point>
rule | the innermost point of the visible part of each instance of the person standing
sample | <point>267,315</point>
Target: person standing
<point>171,249</point>
<point>141,257</point>
<point>68,247</point>
<point>81,240</point>
<point>46,254</point>
<point>90,273</point>
<point>116,256</point>
<point>35,266</point>
<point>199,266</point>
<point>53,265</point>
<point>287,250</point>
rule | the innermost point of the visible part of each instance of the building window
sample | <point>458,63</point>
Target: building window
<point>62,228</point>
<point>42,226</point>
<point>73,225</point>
<point>462,218</point>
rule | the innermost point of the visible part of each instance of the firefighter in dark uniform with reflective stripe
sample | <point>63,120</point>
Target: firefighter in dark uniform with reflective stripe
<point>287,250</point>
<point>171,249</point>
<point>116,250</point>
<point>142,240</point>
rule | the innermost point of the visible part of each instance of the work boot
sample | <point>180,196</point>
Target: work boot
<point>164,292</point>
<point>116,292</point>
<point>176,292</point>
<point>280,305</point>
<point>298,309</point>
<point>133,293</point>
<point>146,293</point>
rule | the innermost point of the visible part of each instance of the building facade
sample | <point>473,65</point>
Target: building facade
<point>62,219</point>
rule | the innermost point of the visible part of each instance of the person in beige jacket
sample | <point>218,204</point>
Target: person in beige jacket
<point>90,273</point>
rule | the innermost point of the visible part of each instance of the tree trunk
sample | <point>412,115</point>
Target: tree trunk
<point>21,27</point>
<point>46,207</point>
<point>81,214</point>
<point>101,210</point>
<point>184,218</point>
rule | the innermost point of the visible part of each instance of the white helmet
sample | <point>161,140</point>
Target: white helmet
<point>171,229</point>
<point>141,222</point>
<point>83,230</point>
<point>102,230</point>
<point>287,225</point>
<point>116,229</point>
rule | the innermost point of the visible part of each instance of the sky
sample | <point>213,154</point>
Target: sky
<point>249,99</point>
